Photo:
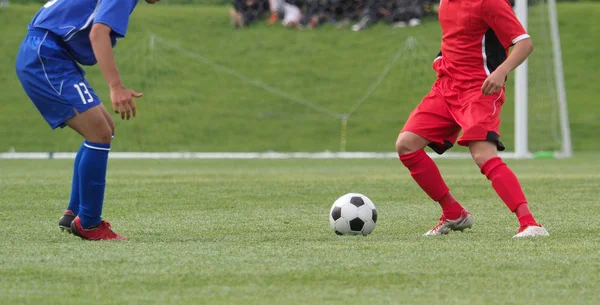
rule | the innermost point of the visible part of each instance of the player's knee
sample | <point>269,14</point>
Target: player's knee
<point>406,144</point>
<point>403,148</point>
<point>103,136</point>
<point>101,132</point>
<point>482,151</point>
<point>482,156</point>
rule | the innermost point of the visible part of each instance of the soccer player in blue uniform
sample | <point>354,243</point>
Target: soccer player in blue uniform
<point>63,35</point>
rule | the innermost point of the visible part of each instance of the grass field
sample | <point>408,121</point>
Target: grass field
<point>257,232</point>
<point>191,105</point>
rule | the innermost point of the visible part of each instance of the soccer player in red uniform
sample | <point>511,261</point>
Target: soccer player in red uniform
<point>472,68</point>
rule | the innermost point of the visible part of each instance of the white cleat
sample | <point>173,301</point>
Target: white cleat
<point>445,225</point>
<point>532,231</point>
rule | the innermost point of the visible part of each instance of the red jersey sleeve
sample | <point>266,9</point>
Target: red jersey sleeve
<point>498,14</point>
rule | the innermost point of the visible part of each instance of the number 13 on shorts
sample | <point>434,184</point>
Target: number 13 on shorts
<point>84,93</point>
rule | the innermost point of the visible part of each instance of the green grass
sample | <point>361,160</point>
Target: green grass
<point>191,106</point>
<point>256,232</point>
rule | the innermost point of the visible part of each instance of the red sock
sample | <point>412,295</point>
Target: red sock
<point>525,216</point>
<point>428,177</point>
<point>509,189</point>
<point>450,207</point>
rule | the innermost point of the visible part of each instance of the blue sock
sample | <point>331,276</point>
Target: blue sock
<point>74,202</point>
<point>92,181</point>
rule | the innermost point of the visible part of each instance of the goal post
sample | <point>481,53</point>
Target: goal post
<point>546,27</point>
<point>521,93</point>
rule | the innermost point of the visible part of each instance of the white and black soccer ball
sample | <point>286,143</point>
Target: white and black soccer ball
<point>353,214</point>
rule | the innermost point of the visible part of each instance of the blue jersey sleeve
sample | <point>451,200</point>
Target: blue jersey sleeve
<point>115,14</point>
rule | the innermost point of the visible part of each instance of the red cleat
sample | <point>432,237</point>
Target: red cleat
<point>101,232</point>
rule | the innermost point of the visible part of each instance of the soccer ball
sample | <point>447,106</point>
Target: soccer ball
<point>353,214</point>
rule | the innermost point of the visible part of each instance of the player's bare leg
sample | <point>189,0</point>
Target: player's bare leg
<point>409,142</point>
<point>94,125</point>
<point>97,127</point>
<point>506,185</point>
<point>410,148</point>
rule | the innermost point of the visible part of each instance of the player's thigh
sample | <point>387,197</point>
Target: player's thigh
<point>479,117</point>
<point>92,124</point>
<point>431,120</point>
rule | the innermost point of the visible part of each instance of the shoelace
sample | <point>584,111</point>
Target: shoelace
<point>442,220</point>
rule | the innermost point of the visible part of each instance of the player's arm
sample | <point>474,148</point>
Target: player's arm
<point>499,16</point>
<point>120,96</point>
<point>102,45</point>
<point>517,56</point>
<point>113,18</point>
<point>520,52</point>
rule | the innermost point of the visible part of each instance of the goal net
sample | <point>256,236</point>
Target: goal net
<point>541,117</point>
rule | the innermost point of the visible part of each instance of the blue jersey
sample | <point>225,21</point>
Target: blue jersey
<point>72,20</point>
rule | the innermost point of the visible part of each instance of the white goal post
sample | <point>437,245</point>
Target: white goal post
<point>522,85</point>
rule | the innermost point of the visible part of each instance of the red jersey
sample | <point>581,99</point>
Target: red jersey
<point>476,35</point>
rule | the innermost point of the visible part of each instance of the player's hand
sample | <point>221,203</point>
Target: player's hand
<point>494,83</point>
<point>122,101</point>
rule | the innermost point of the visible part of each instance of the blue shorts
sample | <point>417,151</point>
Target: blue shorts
<point>52,79</point>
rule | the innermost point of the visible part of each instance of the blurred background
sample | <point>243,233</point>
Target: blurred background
<point>298,76</point>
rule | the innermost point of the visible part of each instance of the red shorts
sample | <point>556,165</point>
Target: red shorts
<point>452,106</point>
